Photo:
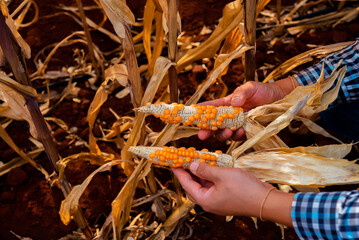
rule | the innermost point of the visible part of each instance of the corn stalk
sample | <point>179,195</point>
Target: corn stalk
<point>16,59</point>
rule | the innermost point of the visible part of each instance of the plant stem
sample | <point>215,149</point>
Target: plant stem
<point>172,48</point>
<point>88,37</point>
<point>250,38</point>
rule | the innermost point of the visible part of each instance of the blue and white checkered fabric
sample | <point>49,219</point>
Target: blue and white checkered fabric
<point>349,91</point>
<point>326,215</point>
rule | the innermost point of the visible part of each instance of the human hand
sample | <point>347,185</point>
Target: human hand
<point>223,191</point>
<point>234,192</point>
<point>248,96</point>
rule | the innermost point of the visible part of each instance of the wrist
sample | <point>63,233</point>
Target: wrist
<point>277,207</point>
<point>284,86</point>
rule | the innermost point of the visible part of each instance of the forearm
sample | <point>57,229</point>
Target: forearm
<point>277,208</point>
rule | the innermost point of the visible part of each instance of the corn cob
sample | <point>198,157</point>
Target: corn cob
<point>203,116</point>
<point>182,157</point>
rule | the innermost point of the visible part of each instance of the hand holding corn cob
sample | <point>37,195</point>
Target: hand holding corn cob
<point>248,96</point>
<point>206,117</point>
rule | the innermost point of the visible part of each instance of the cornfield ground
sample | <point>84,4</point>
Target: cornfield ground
<point>29,205</point>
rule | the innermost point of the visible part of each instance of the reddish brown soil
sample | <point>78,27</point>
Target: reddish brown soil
<point>29,205</point>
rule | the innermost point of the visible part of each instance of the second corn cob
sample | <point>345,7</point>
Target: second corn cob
<point>203,116</point>
<point>182,157</point>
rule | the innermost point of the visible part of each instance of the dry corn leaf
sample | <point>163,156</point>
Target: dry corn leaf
<point>117,72</point>
<point>19,161</point>
<point>169,225</point>
<point>182,132</point>
<point>99,99</point>
<point>161,67</point>
<point>353,14</point>
<point>119,14</point>
<point>302,58</point>
<point>225,59</point>
<point>70,205</point>
<point>121,206</point>
<point>232,16</point>
<point>25,48</point>
<point>286,166</point>
<point>10,142</point>
<point>89,157</point>
<point>162,6</point>
<point>148,16</point>
<point>17,102</point>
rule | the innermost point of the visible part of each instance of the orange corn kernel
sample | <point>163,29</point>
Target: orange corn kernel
<point>225,115</point>
<point>231,116</point>
<point>202,160</point>
<point>166,112</point>
<point>178,119</point>
<point>199,124</point>
<point>218,152</point>
<point>213,163</point>
<point>188,159</point>
<point>152,155</point>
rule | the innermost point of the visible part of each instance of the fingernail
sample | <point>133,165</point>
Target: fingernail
<point>193,167</point>
<point>236,100</point>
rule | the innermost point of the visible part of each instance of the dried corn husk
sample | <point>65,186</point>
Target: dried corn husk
<point>300,166</point>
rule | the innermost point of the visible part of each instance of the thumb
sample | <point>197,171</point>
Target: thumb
<point>204,171</point>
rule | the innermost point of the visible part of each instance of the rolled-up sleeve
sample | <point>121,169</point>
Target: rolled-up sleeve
<point>327,215</point>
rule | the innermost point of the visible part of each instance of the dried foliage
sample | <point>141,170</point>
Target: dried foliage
<point>264,153</point>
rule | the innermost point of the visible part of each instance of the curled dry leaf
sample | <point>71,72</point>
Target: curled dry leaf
<point>119,14</point>
<point>70,205</point>
<point>12,93</point>
<point>25,48</point>
<point>99,99</point>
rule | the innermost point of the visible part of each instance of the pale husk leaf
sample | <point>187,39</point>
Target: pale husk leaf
<point>71,203</point>
<point>299,168</point>
<point>273,128</point>
<point>119,14</point>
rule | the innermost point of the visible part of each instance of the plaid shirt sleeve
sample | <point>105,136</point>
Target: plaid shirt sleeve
<point>326,215</point>
<point>349,91</point>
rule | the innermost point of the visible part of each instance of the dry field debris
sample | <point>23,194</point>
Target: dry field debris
<point>149,56</point>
